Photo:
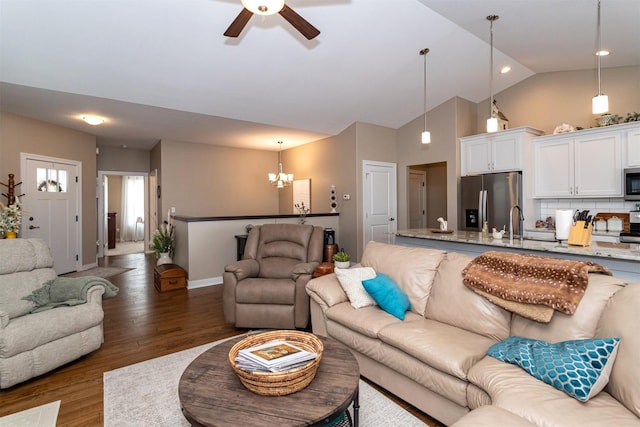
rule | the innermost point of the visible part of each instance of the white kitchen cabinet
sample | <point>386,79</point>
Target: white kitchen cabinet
<point>585,163</point>
<point>501,151</point>
<point>632,147</point>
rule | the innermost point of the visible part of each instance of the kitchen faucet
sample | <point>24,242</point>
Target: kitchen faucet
<point>521,219</point>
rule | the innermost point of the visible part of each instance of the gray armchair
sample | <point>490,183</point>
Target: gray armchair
<point>266,289</point>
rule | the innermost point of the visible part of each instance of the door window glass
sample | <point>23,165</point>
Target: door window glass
<point>52,180</point>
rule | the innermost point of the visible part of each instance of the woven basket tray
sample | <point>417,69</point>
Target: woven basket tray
<point>279,383</point>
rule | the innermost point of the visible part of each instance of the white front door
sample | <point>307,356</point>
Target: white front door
<point>380,201</point>
<point>51,207</point>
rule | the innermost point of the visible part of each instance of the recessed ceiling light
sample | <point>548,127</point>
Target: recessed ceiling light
<point>602,52</point>
<point>93,120</point>
<point>505,69</point>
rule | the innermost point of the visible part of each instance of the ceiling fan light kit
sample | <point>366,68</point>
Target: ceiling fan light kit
<point>270,7</point>
<point>263,7</point>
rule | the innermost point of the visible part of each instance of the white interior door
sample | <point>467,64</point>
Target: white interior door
<point>380,201</point>
<point>417,199</point>
<point>52,207</point>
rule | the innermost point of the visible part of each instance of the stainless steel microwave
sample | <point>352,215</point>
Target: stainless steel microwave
<point>632,184</point>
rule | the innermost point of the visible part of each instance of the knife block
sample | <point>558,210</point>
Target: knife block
<point>580,236</point>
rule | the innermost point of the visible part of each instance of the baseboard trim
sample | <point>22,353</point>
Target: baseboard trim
<point>203,283</point>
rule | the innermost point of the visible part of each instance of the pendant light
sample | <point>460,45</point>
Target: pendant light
<point>492,122</point>
<point>600,102</point>
<point>426,135</point>
<point>280,179</point>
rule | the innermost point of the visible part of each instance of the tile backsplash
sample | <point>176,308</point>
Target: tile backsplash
<point>547,207</point>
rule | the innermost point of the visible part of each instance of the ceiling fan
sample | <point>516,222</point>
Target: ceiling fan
<point>270,7</point>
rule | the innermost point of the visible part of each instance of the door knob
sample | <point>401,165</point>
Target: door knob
<point>392,219</point>
<point>31,227</point>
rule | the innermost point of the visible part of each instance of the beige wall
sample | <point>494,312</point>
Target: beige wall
<point>20,134</point>
<point>201,180</point>
<point>444,147</point>
<point>373,143</point>
<point>123,159</point>
<point>210,180</point>
<point>115,194</point>
<point>326,162</point>
<point>546,100</point>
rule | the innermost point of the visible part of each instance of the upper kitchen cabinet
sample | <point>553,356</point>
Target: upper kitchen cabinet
<point>632,146</point>
<point>501,151</point>
<point>585,163</point>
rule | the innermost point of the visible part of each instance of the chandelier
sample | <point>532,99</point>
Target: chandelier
<point>280,179</point>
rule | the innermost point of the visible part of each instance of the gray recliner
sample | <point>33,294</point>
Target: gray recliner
<point>266,289</point>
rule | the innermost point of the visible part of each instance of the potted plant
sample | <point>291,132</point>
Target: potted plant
<point>341,259</point>
<point>163,244</point>
<point>10,219</point>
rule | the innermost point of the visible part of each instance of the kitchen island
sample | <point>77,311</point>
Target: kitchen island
<point>623,259</point>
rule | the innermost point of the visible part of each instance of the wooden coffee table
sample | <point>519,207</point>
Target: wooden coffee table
<point>212,395</point>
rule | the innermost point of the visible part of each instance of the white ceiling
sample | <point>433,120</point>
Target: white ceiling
<point>161,69</point>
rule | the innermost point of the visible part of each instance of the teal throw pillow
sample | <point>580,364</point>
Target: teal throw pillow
<point>387,295</point>
<point>580,368</point>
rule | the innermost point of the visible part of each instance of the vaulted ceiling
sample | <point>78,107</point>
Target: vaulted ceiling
<point>162,69</point>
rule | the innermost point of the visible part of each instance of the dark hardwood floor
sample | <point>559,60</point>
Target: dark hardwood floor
<point>139,324</point>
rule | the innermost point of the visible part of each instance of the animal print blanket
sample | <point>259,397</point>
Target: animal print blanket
<point>531,279</point>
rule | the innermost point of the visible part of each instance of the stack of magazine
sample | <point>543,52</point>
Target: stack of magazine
<point>273,356</point>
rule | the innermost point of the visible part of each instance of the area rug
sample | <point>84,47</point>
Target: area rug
<point>104,272</point>
<point>146,393</point>
<point>40,416</point>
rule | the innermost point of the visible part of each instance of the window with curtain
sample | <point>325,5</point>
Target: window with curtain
<point>132,227</point>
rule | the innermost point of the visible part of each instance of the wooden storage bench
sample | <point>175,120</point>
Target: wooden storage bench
<point>168,277</point>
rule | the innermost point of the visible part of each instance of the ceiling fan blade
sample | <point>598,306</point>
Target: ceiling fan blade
<point>239,23</point>
<point>299,23</point>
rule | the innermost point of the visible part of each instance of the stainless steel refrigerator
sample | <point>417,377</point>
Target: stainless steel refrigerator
<point>489,197</point>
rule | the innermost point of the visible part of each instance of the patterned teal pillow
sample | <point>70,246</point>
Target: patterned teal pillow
<point>580,368</point>
<point>388,295</point>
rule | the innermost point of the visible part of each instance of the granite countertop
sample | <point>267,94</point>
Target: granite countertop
<point>623,251</point>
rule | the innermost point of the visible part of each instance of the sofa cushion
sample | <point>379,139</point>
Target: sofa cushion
<point>387,295</point>
<point>265,291</point>
<point>582,324</point>
<point>413,269</point>
<point>351,281</point>
<point>513,389</point>
<point>580,368</point>
<point>449,349</point>
<point>24,255</point>
<point>490,416</point>
<point>367,321</point>
<point>620,319</point>
<point>28,332</point>
<point>454,304</point>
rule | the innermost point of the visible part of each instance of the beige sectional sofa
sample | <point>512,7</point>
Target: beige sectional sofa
<point>436,358</point>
